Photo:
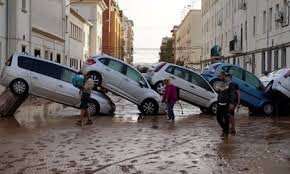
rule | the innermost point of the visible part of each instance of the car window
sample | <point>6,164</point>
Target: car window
<point>236,72</point>
<point>25,63</point>
<point>115,65</point>
<point>48,69</point>
<point>169,69</point>
<point>226,68</point>
<point>104,61</point>
<point>67,75</point>
<point>134,75</point>
<point>181,73</point>
<point>199,81</point>
<point>9,61</point>
<point>253,80</point>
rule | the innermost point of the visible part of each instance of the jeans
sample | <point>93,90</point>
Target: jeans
<point>223,117</point>
<point>170,106</point>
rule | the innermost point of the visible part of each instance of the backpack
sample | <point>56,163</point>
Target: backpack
<point>78,81</point>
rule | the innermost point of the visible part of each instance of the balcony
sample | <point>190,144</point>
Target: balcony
<point>235,47</point>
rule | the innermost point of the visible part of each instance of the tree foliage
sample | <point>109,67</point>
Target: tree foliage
<point>166,52</point>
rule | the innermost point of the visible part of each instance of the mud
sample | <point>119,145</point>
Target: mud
<point>127,144</point>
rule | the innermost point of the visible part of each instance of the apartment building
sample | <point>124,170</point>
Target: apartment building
<point>127,39</point>
<point>253,34</point>
<point>189,40</point>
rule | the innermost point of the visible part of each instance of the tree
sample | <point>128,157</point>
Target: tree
<point>166,51</point>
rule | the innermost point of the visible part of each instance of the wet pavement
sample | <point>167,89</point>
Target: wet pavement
<point>41,141</point>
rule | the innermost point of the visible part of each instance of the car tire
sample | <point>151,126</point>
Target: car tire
<point>97,78</point>
<point>268,109</point>
<point>19,87</point>
<point>159,87</point>
<point>93,108</point>
<point>213,108</point>
<point>149,107</point>
<point>213,83</point>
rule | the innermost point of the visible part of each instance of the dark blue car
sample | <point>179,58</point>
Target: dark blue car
<point>252,89</point>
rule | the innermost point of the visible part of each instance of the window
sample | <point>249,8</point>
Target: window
<point>264,22</point>
<point>51,56</point>
<point>170,69</point>
<point>254,26</point>
<point>25,63</point>
<point>269,61</point>
<point>283,58</point>
<point>23,8</point>
<point>246,30</point>
<point>276,55</point>
<point>115,65</point>
<point>76,32</point>
<point>263,62</point>
<point>236,72</point>
<point>58,58</point>
<point>67,75</point>
<point>253,80</point>
<point>133,74</point>
<point>197,80</point>
<point>180,73</point>
<point>270,19</point>
<point>46,55</point>
<point>104,61</point>
<point>23,48</point>
<point>253,63</point>
<point>73,63</point>
<point>277,11</point>
<point>37,53</point>
<point>47,69</point>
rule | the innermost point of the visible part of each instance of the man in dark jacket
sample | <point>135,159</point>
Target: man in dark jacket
<point>226,101</point>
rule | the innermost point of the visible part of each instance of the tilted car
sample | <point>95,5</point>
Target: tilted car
<point>252,90</point>
<point>25,74</point>
<point>278,81</point>
<point>192,87</point>
<point>123,80</point>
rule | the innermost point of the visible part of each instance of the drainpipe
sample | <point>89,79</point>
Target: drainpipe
<point>7,29</point>
<point>30,26</point>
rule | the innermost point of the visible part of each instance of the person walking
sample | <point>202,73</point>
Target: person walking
<point>226,101</point>
<point>170,97</point>
<point>85,92</point>
<point>236,104</point>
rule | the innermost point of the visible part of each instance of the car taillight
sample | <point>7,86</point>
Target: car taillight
<point>212,71</point>
<point>91,61</point>
<point>287,74</point>
<point>159,67</point>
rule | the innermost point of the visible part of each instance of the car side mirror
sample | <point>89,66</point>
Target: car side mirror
<point>141,83</point>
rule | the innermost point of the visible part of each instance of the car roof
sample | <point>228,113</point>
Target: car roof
<point>182,67</point>
<point>44,60</point>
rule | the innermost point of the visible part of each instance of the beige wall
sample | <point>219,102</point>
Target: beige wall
<point>189,39</point>
<point>2,33</point>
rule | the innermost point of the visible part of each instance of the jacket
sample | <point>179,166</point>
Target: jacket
<point>170,93</point>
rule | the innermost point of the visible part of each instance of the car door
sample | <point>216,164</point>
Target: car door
<point>203,93</point>
<point>133,85</point>
<point>254,89</point>
<point>237,78</point>
<point>66,92</point>
<point>112,75</point>
<point>44,78</point>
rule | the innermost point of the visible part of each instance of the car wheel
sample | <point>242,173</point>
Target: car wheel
<point>96,77</point>
<point>19,87</point>
<point>160,88</point>
<point>149,107</point>
<point>268,109</point>
<point>214,83</point>
<point>93,108</point>
<point>213,108</point>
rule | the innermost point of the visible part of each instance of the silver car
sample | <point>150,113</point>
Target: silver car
<point>25,74</point>
<point>192,87</point>
<point>125,81</point>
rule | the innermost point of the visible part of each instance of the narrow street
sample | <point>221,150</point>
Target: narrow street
<point>39,141</point>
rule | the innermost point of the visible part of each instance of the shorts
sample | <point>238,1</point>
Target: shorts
<point>85,100</point>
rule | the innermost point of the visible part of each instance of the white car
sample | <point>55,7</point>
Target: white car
<point>25,74</point>
<point>192,87</point>
<point>278,81</point>
<point>123,80</point>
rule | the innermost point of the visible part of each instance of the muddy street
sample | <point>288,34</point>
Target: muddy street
<point>38,140</point>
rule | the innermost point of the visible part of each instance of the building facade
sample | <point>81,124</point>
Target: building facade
<point>173,31</point>
<point>127,39</point>
<point>253,34</point>
<point>189,40</point>
<point>92,11</point>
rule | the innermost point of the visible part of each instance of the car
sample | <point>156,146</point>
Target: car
<point>192,87</point>
<point>124,80</point>
<point>278,81</point>
<point>25,74</point>
<point>252,90</point>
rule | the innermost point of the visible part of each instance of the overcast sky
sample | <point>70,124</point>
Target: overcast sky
<point>153,20</point>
